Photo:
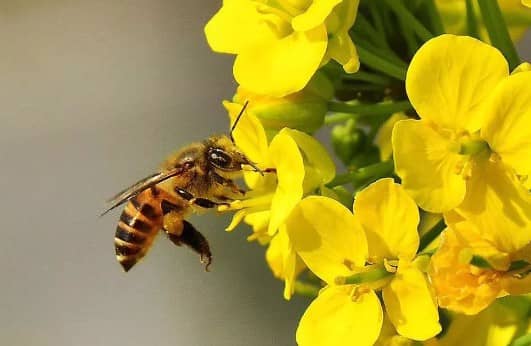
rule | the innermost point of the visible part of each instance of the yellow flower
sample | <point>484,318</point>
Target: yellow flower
<point>281,44</point>
<point>467,288</point>
<point>300,166</point>
<point>303,110</point>
<point>497,325</point>
<point>335,245</point>
<point>471,147</point>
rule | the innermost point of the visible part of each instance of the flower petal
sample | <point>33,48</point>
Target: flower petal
<point>249,134</point>
<point>283,261</point>
<point>508,130</point>
<point>319,167</point>
<point>282,66</point>
<point>327,237</point>
<point>389,218</point>
<point>342,49</point>
<point>499,206</point>
<point>411,306</point>
<point>237,26</point>
<point>314,15</point>
<point>287,160</point>
<point>383,137</point>
<point>425,161</point>
<point>460,72</point>
<point>334,318</point>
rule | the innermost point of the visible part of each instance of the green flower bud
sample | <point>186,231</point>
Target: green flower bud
<point>347,140</point>
<point>304,110</point>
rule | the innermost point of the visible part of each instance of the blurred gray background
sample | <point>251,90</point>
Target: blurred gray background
<point>93,95</point>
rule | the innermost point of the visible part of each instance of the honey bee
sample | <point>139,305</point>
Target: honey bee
<point>198,176</point>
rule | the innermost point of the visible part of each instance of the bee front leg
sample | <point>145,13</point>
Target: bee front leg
<point>201,202</point>
<point>192,238</point>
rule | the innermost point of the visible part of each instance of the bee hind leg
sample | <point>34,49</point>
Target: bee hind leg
<point>192,238</point>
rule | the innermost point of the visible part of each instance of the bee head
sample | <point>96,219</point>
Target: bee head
<point>224,156</point>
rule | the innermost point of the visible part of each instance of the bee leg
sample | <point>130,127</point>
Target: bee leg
<point>192,238</point>
<point>227,183</point>
<point>201,202</point>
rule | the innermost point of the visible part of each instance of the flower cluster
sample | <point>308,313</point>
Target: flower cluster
<point>427,235</point>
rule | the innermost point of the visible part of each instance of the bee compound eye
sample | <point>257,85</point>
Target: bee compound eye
<point>219,158</point>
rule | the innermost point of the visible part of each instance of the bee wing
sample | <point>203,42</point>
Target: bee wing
<point>136,188</point>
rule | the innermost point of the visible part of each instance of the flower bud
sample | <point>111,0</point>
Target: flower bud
<point>303,110</point>
<point>347,140</point>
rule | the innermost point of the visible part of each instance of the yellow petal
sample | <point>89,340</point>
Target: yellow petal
<point>249,133</point>
<point>523,67</point>
<point>283,261</point>
<point>508,130</point>
<point>237,26</point>
<point>460,286</point>
<point>319,167</point>
<point>282,66</point>
<point>314,15</point>
<point>327,237</point>
<point>450,76</point>
<point>411,306</point>
<point>334,318</point>
<point>389,218</point>
<point>498,205</point>
<point>342,49</point>
<point>383,137</point>
<point>287,159</point>
<point>428,166</point>
<point>340,45</point>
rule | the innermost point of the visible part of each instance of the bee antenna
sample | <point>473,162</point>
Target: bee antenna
<point>237,120</point>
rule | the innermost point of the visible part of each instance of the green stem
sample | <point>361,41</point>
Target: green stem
<point>402,12</point>
<point>409,36</point>
<point>369,109</point>
<point>377,19</point>
<point>306,289</point>
<point>471,21</point>
<point>379,169</point>
<point>370,276</point>
<point>431,235</point>
<point>366,28</point>
<point>369,77</point>
<point>434,17</point>
<point>497,29</point>
<point>379,63</point>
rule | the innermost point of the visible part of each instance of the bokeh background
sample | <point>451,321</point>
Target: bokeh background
<point>93,95</point>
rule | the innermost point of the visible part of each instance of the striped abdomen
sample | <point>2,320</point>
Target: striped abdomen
<point>139,224</point>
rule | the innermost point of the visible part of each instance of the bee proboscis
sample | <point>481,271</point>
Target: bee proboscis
<point>199,175</point>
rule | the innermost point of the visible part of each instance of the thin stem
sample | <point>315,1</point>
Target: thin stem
<point>434,17</point>
<point>369,77</point>
<point>370,109</point>
<point>497,29</point>
<point>431,235</point>
<point>379,169</point>
<point>471,21</point>
<point>409,36</point>
<point>402,12</point>
<point>365,27</point>
<point>378,20</point>
<point>380,63</point>
<point>306,289</point>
